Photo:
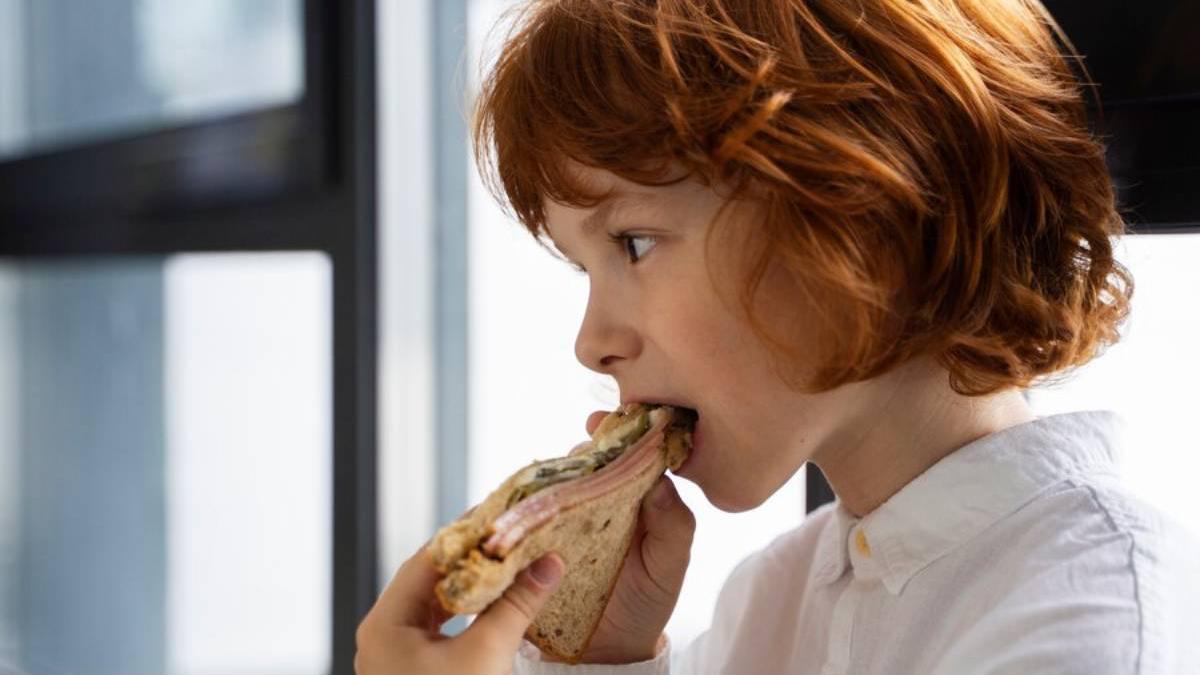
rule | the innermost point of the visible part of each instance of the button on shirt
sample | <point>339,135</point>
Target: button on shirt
<point>1018,553</point>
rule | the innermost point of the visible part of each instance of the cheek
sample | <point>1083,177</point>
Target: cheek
<point>703,337</point>
<point>795,325</point>
<point>721,365</point>
<point>783,319</point>
<point>709,341</point>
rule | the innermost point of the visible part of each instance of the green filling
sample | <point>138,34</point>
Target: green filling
<point>607,448</point>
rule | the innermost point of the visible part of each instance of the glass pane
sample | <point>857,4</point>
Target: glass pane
<point>72,72</point>
<point>1149,377</point>
<point>165,477</point>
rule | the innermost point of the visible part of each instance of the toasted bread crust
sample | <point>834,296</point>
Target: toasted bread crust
<point>593,549</point>
<point>593,539</point>
<point>539,633</point>
<point>474,580</point>
<point>453,542</point>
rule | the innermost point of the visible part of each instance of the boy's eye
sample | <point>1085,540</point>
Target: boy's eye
<point>635,246</point>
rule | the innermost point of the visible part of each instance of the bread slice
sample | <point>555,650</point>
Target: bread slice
<point>593,539</point>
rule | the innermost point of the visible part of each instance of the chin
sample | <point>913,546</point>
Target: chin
<point>719,490</point>
<point>728,498</point>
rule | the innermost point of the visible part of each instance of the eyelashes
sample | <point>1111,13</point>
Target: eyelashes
<point>634,246</point>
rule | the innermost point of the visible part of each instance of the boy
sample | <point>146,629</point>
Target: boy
<point>847,232</point>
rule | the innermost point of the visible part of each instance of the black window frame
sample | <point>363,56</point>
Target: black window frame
<point>142,194</point>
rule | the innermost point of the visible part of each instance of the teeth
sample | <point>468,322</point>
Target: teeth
<point>685,416</point>
<point>670,405</point>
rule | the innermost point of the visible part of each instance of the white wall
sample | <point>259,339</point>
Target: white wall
<point>248,354</point>
<point>407,478</point>
<point>1150,377</point>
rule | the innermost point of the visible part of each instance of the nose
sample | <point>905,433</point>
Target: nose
<point>607,337</point>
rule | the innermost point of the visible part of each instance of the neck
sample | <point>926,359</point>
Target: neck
<point>914,419</point>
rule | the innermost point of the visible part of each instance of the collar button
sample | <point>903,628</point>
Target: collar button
<point>860,542</point>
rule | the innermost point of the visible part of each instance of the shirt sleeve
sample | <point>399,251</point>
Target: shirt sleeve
<point>1128,609</point>
<point>1042,630</point>
<point>529,662</point>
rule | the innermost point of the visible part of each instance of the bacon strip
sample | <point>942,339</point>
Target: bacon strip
<point>512,525</point>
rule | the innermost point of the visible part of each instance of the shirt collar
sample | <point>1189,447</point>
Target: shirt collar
<point>963,494</point>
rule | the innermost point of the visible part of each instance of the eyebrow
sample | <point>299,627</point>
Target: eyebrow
<point>597,218</point>
<point>603,212</point>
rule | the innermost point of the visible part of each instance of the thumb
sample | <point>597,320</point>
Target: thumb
<point>594,420</point>
<point>504,621</point>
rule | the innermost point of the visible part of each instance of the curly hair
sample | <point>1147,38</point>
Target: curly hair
<point>926,166</point>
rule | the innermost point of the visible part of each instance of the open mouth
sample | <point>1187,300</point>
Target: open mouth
<point>686,417</point>
<point>683,442</point>
<point>680,436</point>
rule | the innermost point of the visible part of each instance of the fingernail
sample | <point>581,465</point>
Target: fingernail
<point>546,571</point>
<point>662,496</point>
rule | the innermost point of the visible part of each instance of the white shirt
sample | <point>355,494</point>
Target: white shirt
<point>1018,553</point>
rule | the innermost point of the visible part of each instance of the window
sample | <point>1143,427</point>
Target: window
<point>167,447</point>
<point>187,389</point>
<point>72,73</point>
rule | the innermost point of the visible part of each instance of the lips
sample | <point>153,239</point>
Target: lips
<point>689,408</point>
<point>658,400</point>
<point>697,443</point>
<point>675,403</point>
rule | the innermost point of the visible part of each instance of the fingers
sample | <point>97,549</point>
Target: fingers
<point>409,599</point>
<point>502,625</point>
<point>669,529</point>
<point>594,421</point>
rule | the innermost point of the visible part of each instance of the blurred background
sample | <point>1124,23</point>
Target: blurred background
<point>262,331</point>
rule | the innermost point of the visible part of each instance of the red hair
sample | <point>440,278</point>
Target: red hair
<point>923,166</point>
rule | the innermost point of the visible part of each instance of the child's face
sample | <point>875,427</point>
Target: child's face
<point>656,323</point>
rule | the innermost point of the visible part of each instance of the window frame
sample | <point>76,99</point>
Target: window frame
<point>134,195</point>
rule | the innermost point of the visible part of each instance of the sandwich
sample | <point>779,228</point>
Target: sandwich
<point>584,506</point>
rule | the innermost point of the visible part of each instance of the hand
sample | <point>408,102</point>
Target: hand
<point>649,583</point>
<point>401,633</point>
